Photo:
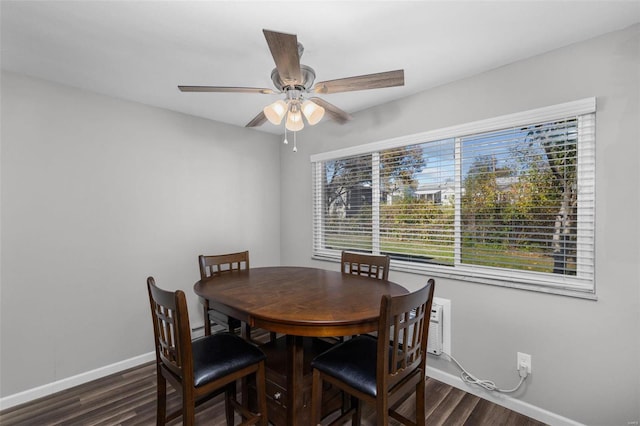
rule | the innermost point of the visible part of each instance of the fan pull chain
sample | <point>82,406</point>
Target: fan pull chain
<point>286,142</point>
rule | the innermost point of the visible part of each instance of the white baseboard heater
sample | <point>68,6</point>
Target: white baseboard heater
<point>435,342</point>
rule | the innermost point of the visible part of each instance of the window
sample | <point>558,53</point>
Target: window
<point>507,201</point>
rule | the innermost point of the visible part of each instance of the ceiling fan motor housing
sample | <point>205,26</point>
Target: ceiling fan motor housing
<point>308,76</point>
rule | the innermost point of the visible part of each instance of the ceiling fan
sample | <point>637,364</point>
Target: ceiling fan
<point>295,80</point>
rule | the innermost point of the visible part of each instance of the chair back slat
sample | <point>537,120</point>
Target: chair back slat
<point>166,338</point>
<point>211,266</point>
<point>370,265</point>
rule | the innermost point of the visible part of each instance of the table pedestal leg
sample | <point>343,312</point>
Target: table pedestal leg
<point>295,385</point>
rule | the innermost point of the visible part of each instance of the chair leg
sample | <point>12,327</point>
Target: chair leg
<point>161,399</point>
<point>188,407</point>
<point>245,331</point>
<point>207,321</point>
<point>347,402</point>
<point>316,398</point>
<point>382,411</point>
<point>244,389</point>
<point>420,404</point>
<point>229,394</point>
<point>357,414</point>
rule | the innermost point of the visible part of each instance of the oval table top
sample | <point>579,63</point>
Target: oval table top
<point>299,300</point>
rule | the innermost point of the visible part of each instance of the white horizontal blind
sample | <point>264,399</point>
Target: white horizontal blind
<point>586,222</point>
<point>343,204</point>
<point>417,202</point>
<point>506,201</point>
<point>519,205</point>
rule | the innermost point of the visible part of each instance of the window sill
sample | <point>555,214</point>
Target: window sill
<point>560,289</point>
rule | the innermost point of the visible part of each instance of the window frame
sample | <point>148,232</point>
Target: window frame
<point>582,285</point>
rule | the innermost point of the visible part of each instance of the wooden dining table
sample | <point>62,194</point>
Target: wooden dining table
<point>298,302</point>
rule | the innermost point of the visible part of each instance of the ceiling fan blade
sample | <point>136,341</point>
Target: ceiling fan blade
<point>226,89</point>
<point>336,113</point>
<point>284,49</point>
<point>361,82</point>
<point>257,120</point>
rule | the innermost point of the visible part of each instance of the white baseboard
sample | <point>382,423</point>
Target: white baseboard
<point>506,401</point>
<point>69,382</point>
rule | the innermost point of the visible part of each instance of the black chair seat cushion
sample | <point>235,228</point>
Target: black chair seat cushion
<point>353,362</point>
<point>220,354</point>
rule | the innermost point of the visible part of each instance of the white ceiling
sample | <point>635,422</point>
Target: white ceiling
<point>141,50</point>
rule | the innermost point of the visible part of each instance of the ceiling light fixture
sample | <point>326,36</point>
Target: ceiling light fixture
<point>276,111</point>
<point>294,108</point>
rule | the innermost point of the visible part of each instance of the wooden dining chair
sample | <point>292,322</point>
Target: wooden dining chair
<point>216,265</point>
<point>364,264</point>
<point>381,371</point>
<point>370,265</point>
<point>200,368</point>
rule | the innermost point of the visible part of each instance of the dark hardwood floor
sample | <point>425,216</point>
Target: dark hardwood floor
<point>128,398</point>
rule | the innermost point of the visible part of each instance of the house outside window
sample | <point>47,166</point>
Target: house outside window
<point>506,201</point>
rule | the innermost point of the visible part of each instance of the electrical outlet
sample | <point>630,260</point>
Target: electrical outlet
<point>524,359</point>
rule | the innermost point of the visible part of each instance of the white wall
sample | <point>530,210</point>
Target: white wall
<point>585,354</point>
<point>98,194</point>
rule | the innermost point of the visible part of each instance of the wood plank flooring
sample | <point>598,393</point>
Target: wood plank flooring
<point>128,398</point>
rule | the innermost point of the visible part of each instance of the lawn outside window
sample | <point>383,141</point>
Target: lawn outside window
<point>506,201</point>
